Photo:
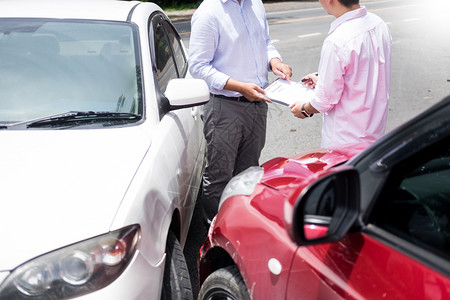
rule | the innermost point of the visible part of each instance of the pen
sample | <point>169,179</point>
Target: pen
<point>306,79</point>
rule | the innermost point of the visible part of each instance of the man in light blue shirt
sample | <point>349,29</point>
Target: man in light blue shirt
<point>231,50</point>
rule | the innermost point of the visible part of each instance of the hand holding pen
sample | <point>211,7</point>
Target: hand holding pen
<point>310,80</point>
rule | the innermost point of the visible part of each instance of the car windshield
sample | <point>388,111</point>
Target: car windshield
<point>48,67</point>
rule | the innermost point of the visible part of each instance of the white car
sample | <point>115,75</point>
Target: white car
<point>101,153</point>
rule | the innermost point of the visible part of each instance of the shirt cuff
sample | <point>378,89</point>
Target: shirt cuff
<point>319,105</point>
<point>271,55</point>
<point>320,102</point>
<point>219,81</point>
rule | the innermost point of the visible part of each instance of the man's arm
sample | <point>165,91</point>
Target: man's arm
<point>202,46</point>
<point>250,91</point>
<point>331,73</point>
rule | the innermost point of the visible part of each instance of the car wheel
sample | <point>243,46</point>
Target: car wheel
<point>177,283</point>
<point>226,283</point>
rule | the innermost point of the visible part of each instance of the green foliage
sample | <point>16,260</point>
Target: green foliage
<point>169,5</point>
<point>176,4</point>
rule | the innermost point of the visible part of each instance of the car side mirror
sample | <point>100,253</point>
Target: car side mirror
<point>327,209</point>
<point>186,92</point>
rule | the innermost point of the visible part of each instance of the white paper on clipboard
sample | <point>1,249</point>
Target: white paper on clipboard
<point>287,92</point>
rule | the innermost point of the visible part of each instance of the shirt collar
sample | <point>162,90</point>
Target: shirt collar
<point>224,1</point>
<point>353,14</point>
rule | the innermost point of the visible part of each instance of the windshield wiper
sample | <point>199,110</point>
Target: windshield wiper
<point>75,118</point>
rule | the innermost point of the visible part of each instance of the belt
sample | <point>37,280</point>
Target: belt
<point>238,99</point>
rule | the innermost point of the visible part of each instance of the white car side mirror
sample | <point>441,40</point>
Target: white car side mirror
<point>183,92</point>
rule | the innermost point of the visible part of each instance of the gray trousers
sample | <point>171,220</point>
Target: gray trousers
<point>235,133</point>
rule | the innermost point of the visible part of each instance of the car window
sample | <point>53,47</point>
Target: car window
<point>178,52</point>
<point>168,52</point>
<point>415,202</point>
<point>55,66</point>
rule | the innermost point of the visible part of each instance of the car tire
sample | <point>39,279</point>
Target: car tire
<point>177,283</point>
<point>225,283</point>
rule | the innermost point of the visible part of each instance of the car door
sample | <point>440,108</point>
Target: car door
<point>179,138</point>
<point>403,248</point>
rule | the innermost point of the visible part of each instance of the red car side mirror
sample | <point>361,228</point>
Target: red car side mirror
<point>327,208</point>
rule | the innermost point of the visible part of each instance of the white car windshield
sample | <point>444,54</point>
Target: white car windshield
<point>49,67</point>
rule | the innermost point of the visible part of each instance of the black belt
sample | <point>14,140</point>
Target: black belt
<point>238,99</point>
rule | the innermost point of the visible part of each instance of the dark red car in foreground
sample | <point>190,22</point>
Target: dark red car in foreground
<point>342,223</point>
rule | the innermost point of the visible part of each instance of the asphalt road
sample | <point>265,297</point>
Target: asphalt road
<point>420,69</point>
<point>420,61</point>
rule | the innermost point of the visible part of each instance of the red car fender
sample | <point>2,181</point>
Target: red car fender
<point>242,230</point>
<point>251,231</point>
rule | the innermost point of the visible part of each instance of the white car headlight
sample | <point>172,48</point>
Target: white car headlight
<point>74,270</point>
<point>242,184</point>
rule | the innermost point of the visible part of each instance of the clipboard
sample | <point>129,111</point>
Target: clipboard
<point>286,92</point>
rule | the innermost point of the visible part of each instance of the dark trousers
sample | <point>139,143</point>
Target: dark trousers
<point>235,133</point>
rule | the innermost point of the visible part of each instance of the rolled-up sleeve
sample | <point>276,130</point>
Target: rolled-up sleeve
<point>202,47</point>
<point>329,87</point>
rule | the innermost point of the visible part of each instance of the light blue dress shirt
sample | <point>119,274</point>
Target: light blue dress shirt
<point>230,40</point>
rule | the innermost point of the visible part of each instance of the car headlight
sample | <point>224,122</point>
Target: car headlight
<point>242,184</point>
<point>74,270</point>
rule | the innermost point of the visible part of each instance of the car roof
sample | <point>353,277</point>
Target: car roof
<point>68,9</point>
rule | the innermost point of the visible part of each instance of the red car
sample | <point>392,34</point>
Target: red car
<point>345,223</point>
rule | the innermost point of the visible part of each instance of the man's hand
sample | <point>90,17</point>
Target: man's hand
<point>296,109</point>
<point>280,69</point>
<point>253,92</point>
<point>250,91</point>
<point>310,80</point>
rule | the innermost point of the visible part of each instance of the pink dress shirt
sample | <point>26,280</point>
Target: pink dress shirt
<point>354,79</point>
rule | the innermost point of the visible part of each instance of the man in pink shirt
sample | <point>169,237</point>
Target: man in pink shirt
<point>352,85</point>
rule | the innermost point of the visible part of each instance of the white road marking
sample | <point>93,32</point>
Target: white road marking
<point>309,35</point>
<point>411,20</point>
